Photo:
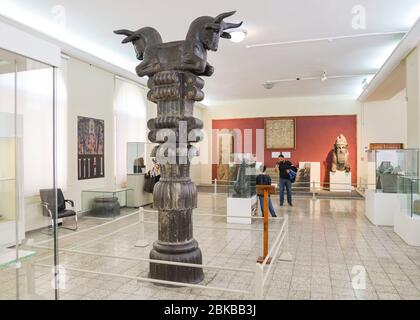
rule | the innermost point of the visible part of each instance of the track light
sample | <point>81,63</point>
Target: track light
<point>268,85</point>
<point>238,35</point>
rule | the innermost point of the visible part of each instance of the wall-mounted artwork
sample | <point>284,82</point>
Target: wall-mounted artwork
<point>280,133</point>
<point>91,145</point>
<point>225,151</point>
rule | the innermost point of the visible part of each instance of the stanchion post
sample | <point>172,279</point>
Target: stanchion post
<point>142,242</point>
<point>215,187</point>
<point>259,282</point>
<point>313,191</point>
<point>265,223</point>
<point>265,190</point>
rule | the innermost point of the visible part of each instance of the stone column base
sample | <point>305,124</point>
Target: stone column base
<point>186,252</point>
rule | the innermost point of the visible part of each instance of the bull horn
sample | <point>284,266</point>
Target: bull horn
<point>232,25</point>
<point>224,15</point>
<point>131,35</point>
<point>124,32</point>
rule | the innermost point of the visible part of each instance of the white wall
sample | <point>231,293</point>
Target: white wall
<point>383,122</point>
<point>413,94</point>
<point>280,107</point>
<point>90,93</point>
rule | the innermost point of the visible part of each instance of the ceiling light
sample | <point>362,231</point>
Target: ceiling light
<point>4,62</point>
<point>328,39</point>
<point>238,35</point>
<point>268,85</point>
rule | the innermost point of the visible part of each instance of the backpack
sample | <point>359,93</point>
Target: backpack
<point>292,176</point>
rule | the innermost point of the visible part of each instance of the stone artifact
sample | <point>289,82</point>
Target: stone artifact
<point>387,177</point>
<point>173,69</point>
<point>106,207</point>
<point>139,165</point>
<point>222,173</point>
<point>245,184</point>
<point>303,178</point>
<point>340,160</point>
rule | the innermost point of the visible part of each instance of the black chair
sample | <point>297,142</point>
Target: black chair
<point>48,197</point>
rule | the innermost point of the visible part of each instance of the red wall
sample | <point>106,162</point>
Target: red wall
<point>315,137</point>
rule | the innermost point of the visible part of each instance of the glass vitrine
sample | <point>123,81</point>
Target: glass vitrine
<point>409,190</point>
<point>385,167</point>
<point>26,166</point>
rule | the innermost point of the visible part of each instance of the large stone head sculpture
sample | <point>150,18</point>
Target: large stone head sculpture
<point>341,155</point>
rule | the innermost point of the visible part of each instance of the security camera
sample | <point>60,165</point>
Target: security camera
<point>268,85</point>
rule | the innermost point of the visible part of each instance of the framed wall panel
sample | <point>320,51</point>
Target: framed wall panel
<point>280,133</point>
<point>91,142</point>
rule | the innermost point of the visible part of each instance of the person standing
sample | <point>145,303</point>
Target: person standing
<point>284,168</point>
<point>265,179</point>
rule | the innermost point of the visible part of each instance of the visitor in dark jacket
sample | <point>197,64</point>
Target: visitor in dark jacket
<point>265,179</point>
<point>283,168</point>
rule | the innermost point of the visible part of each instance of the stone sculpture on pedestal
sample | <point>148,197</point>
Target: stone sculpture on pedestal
<point>245,184</point>
<point>173,69</point>
<point>340,161</point>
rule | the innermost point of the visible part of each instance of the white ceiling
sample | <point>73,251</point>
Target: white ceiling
<point>240,72</point>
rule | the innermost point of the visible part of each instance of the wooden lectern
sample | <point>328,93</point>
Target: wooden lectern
<point>265,190</point>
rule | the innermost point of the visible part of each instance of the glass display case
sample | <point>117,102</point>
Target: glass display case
<point>27,106</point>
<point>244,186</point>
<point>104,202</point>
<point>409,190</point>
<point>136,160</point>
<point>385,167</point>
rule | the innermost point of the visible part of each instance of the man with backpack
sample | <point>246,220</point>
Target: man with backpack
<point>287,174</point>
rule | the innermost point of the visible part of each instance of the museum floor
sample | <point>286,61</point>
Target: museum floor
<point>327,239</point>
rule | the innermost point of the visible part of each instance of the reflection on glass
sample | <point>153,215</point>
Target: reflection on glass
<point>389,165</point>
<point>136,158</point>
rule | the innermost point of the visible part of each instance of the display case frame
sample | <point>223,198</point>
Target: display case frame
<point>409,192</point>
<point>386,166</point>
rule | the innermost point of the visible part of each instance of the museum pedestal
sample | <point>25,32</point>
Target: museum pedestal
<point>137,198</point>
<point>407,227</point>
<point>315,173</point>
<point>239,210</point>
<point>340,181</point>
<point>380,207</point>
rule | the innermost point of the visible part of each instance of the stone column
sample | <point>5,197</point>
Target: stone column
<point>175,195</point>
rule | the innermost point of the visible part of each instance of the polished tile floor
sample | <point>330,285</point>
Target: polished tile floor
<point>331,241</point>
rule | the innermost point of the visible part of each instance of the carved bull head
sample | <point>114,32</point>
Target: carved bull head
<point>141,39</point>
<point>216,29</point>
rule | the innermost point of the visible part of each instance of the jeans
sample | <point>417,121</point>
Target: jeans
<point>285,183</point>
<point>270,206</point>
